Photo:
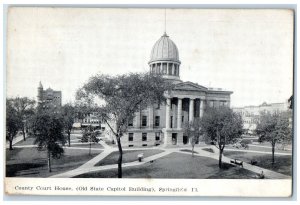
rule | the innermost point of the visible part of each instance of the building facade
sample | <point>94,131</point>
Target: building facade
<point>162,123</point>
<point>90,119</point>
<point>251,114</point>
<point>49,99</point>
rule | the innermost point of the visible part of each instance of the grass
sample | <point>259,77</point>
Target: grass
<point>128,156</point>
<point>175,166</point>
<point>29,141</point>
<point>283,163</point>
<point>188,150</point>
<point>208,150</point>
<point>29,162</point>
<point>93,145</point>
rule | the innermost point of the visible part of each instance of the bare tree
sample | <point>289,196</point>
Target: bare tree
<point>193,131</point>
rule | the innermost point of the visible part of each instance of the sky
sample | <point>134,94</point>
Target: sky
<point>249,52</point>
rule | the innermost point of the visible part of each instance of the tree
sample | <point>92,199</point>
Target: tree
<point>90,135</point>
<point>68,113</point>
<point>274,128</point>
<point>13,122</point>
<point>193,131</point>
<point>24,108</point>
<point>47,128</point>
<point>123,95</point>
<point>221,126</point>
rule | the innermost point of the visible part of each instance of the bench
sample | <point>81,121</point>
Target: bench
<point>253,162</point>
<point>140,157</point>
<point>237,162</point>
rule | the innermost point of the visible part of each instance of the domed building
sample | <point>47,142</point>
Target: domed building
<point>162,124</point>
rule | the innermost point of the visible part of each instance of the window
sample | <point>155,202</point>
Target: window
<point>171,122</point>
<point>182,118</point>
<point>144,136</point>
<point>130,122</point>
<point>144,120</point>
<point>130,136</point>
<point>144,145</point>
<point>131,145</point>
<point>157,136</point>
<point>157,120</point>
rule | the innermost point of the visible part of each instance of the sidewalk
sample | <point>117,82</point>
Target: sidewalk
<point>86,167</point>
<point>268,173</point>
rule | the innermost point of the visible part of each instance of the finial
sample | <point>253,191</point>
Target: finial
<point>165,21</point>
<point>40,85</point>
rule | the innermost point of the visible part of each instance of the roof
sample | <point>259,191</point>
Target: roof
<point>164,50</point>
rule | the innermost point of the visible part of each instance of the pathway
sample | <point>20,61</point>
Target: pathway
<point>268,173</point>
<point>89,166</point>
<point>254,151</point>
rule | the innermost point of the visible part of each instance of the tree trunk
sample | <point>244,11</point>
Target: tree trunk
<point>10,143</point>
<point>23,132</point>
<point>273,154</point>
<point>69,139</point>
<point>193,150</point>
<point>120,157</point>
<point>49,161</point>
<point>90,147</point>
<point>220,158</point>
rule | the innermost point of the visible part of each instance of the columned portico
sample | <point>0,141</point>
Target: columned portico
<point>179,113</point>
<point>201,109</point>
<point>191,110</point>
<point>168,105</point>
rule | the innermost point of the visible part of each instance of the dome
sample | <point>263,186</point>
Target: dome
<point>164,50</point>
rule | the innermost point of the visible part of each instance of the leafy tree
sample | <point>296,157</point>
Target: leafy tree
<point>68,113</point>
<point>193,131</point>
<point>47,128</point>
<point>90,135</point>
<point>24,108</point>
<point>13,122</point>
<point>221,126</point>
<point>274,128</point>
<point>123,95</point>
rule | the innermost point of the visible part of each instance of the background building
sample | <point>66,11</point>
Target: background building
<point>162,123</point>
<point>49,98</point>
<point>250,114</point>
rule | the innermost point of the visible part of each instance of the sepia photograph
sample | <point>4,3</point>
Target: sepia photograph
<point>171,96</point>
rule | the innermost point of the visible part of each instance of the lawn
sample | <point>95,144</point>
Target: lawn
<point>177,165</point>
<point>283,163</point>
<point>29,162</point>
<point>84,145</point>
<point>29,141</point>
<point>128,156</point>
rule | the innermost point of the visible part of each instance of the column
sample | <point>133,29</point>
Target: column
<point>168,104</point>
<point>173,69</point>
<point>179,113</point>
<point>167,72</point>
<point>201,109</point>
<point>150,109</point>
<point>191,110</point>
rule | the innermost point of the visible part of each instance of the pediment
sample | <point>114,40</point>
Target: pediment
<point>189,86</point>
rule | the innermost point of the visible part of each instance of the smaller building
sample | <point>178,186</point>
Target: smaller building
<point>251,114</point>
<point>49,98</point>
<point>90,119</point>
